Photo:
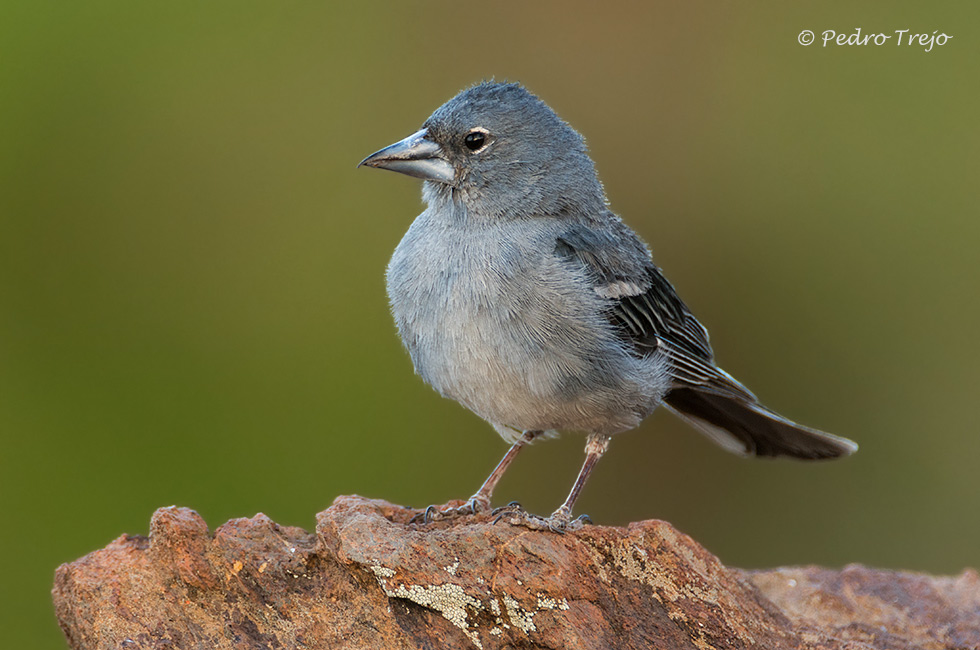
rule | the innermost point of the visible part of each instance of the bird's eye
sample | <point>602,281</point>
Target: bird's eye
<point>475,140</point>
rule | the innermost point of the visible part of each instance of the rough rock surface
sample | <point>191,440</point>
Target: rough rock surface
<point>369,579</point>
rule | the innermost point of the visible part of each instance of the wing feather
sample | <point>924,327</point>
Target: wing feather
<point>645,307</point>
<point>648,315</point>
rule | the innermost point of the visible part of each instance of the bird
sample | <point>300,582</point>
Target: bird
<point>520,294</point>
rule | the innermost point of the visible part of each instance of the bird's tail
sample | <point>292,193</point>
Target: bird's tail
<point>742,425</point>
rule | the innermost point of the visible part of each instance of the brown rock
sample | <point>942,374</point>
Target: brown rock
<point>369,579</point>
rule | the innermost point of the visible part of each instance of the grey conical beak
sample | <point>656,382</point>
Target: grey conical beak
<point>416,156</point>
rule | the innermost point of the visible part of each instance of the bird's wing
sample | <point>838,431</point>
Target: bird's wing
<point>644,307</point>
<point>648,314</point>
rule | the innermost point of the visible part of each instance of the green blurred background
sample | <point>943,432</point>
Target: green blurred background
<point>192,307</point>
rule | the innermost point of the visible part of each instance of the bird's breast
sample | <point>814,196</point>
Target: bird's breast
<point>464,303</point>
<point>493,319</point>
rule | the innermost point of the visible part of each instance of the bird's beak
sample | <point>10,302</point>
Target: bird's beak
<point>416,156</point>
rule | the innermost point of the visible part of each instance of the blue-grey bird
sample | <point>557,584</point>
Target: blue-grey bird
<point>519,294</point>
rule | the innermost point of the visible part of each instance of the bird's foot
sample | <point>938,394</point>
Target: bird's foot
<point>475,505</point>
<point>559,522</point>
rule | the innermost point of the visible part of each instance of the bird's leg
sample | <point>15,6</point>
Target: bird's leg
<point>479,502</point>
<point>482,496</point>
<point>595,446</point>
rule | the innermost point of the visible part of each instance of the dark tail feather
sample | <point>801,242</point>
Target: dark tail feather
<point>749,428</point>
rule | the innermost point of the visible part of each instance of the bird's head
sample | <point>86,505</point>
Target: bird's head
<point>500,151</point>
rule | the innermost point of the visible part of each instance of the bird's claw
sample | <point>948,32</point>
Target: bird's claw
<point>581,520</point>
<point>515,515</point>
<point>474,505</point>
<point>513,505</point>
<point>512,513</point>
<point>559,522</point>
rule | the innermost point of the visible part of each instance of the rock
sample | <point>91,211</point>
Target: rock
<point>367,578</point>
